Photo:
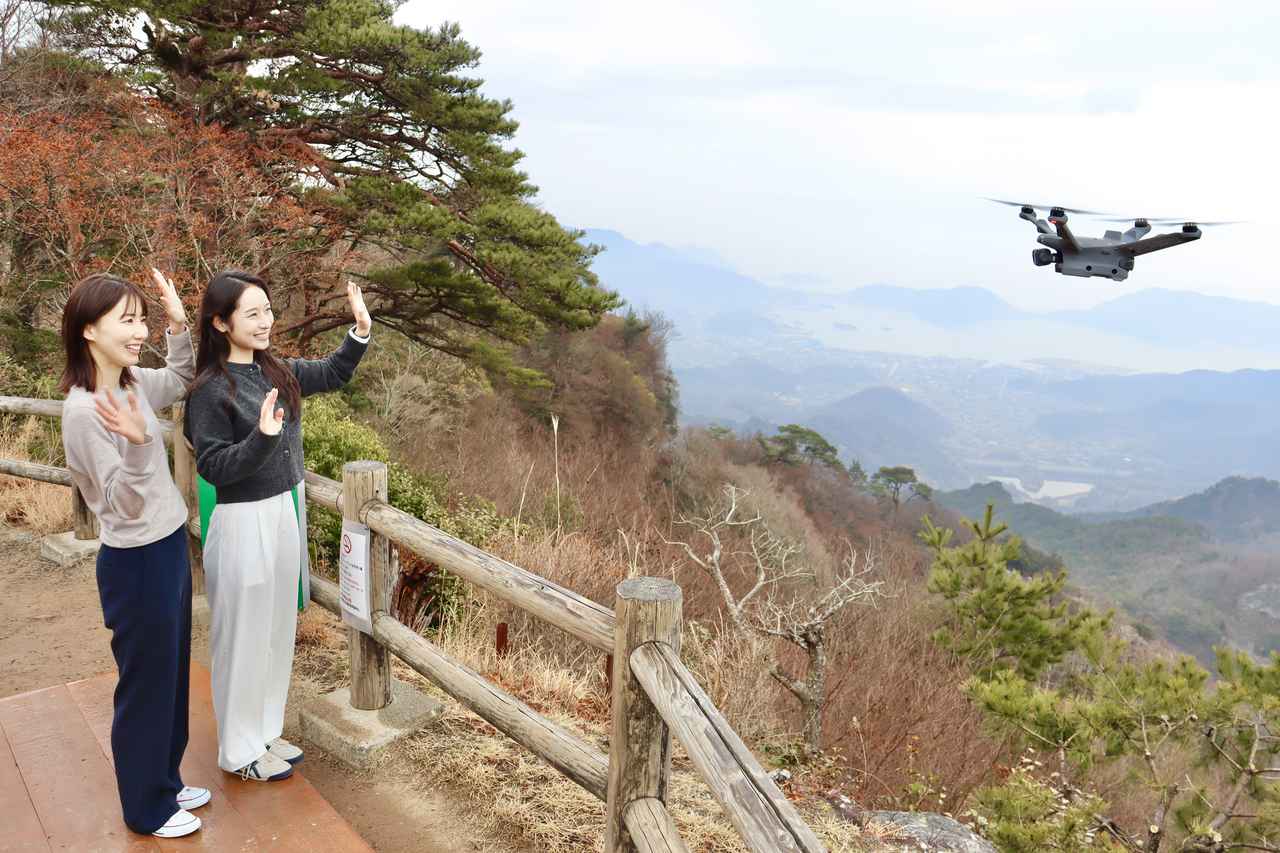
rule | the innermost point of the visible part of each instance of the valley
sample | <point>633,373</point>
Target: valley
<point>1137,476</point>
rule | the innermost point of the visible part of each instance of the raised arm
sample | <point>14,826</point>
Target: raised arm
<point>317,375</point>
<point>95,459</point>
<point>167,385</point>
<point>220,459</point>
<point>336,369</point>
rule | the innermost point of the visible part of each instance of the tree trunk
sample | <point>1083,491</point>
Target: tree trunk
<point>812,726</point>
<point>816,687</point>
<point>6,246</point>
<point>1156,839</point>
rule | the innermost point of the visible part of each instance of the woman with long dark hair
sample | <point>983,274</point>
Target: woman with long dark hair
<point>117,459</point>
<point>244,418</point>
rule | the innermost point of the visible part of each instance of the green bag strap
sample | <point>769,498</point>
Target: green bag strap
<point>208,498</point>
<point>302,543</point>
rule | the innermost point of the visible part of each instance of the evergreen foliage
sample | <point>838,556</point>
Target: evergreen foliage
<point>1034,811</point>
<point>899,484</point>
<point>1109,706</point>
<point>392,148</point>
<point>998,620</point>
<point>424,594</point>
<point>795,444</point>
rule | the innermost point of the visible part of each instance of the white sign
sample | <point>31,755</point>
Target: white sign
<point>353,576</point>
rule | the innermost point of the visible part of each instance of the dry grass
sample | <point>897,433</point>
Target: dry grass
<point>895,711</point>
<point>522,798</point>
<point>500,454</point>
<point>576,561</point>
<point>518,798</point>
<point>41,508</point>
<point>727,665</point>
<point>320,649</point>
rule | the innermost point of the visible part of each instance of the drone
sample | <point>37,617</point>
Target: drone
<point>1110,256</point>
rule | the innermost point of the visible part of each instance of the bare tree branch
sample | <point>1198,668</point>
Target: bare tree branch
<point>779,603</point>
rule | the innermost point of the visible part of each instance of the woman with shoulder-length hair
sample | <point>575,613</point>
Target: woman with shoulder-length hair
<point>244,418</point>
<point>117,459</point>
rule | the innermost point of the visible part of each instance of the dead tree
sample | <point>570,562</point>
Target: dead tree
<point>19,27</point>
<point>772,607</point>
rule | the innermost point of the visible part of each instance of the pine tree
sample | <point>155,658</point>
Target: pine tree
<point>392,141</point>
<point>900,484</point>
<point>999,620</point>
<point>795,444</point>
<point>1111,706</point>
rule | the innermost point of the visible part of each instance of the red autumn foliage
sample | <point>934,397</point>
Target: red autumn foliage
<point>125,183</point>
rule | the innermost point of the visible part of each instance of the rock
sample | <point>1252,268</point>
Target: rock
<point>918,832</point>
<point>932,832</point>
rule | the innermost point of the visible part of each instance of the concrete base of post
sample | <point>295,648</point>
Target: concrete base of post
<point>66,550</point>
<point>360,738</point>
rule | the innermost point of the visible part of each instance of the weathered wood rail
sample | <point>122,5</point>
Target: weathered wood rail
<point>654,694</point>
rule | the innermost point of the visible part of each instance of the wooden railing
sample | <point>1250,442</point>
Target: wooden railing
<point>654,694</point>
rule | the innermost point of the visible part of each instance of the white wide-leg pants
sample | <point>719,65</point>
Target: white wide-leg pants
<point>252,559</point>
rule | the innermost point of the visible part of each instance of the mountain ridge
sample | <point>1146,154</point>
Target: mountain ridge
<point>1168,565</point>
<point>691,283</point>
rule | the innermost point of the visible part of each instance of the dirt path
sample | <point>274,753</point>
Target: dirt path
<point>51,629</point>
<point>51,632</point>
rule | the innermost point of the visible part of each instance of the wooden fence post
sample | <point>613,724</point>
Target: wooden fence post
<point>86,523</point>
<point>370,662</point>
<point>184,477</point>
<point>648,610</point>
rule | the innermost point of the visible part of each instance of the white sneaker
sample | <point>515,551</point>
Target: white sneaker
<point>281,748</point>
<point>182,823</point>
<point>193,798</point>
<point>266,768</point>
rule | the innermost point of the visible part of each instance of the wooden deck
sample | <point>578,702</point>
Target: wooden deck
<point>58,789</point>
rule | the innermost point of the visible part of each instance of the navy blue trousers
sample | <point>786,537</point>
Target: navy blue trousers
<point>146,602</point>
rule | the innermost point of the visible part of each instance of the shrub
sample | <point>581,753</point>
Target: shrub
<point>425,593</point>
<point>1029,813</point>
<point>42,436</point>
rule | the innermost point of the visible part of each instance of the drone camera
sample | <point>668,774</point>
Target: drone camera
<point>1042,257</point>
<point>1189,228</point>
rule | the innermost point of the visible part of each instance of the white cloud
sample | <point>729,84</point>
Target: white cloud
<point>824,140</point>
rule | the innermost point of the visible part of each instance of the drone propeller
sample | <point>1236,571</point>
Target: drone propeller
<point>1200,224</point>
<point>1173,220</point>
<point>1046,207</point>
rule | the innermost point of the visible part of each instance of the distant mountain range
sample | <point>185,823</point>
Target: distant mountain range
<point>1173,318</point>
<point>964,387</point>
<point>1149,329</point>
<point>881,425</point>
<point>1201,570</point>
<point>1114,413</point>
<point>1237,509</point>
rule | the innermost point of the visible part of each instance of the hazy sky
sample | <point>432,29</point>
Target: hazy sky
<point>816,144</point>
